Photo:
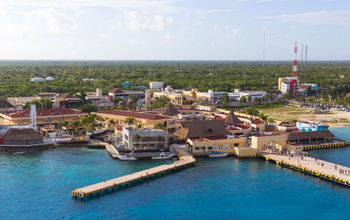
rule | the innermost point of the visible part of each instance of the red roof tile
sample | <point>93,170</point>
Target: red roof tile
<point>44,112</point>
<point>142,115</point>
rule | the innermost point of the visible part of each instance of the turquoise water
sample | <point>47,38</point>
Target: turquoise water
<point>38,186</point>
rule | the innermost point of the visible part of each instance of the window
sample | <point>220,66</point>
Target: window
<point>236,144</point>
<point>210,148</point>
<point>216,147</point>
<point>203,148</point>
<point>196,148</point>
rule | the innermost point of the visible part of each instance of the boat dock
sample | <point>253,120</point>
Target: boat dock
<point>336,144</point>
<point>109,147</point>
<point>313,166</point>
<point>132,179</point>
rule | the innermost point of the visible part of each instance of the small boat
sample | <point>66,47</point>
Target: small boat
<point>162,156</point>
<point>127,157</point>
<point>218,154</point>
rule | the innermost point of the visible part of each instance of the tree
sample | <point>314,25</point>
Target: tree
<point>116,100</point>
<point>88,108</point>
<point>159,126</point>
<point>262,116</point>
<point>82,96</point>
<point>243,99</point>
<point>139,126</point>
<point>39,103</point>
<point>270,120</point>
<point>249,99</point>
<point>129,120</point>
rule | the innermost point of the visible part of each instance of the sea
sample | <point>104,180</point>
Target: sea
<point>38,186</point>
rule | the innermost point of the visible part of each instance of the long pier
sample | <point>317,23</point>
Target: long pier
<point>132,179</point>
<point>313,166</point>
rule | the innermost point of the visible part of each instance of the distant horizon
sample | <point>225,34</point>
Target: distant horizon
<point>136,60</point>
<point>239,30</point>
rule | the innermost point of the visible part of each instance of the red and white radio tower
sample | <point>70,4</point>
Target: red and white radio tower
<point>295,63</point>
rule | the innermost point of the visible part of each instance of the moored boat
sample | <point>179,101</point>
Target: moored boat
<point>162,156</point>
<point>218,154</point>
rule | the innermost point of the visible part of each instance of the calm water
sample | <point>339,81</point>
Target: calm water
<point>38,186</point>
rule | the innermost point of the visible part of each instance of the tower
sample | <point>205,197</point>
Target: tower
<point>33,117</point>
<point>306,54</point>
<point>295,62</point>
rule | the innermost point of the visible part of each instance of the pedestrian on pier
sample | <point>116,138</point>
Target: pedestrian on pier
<point>322,164</point>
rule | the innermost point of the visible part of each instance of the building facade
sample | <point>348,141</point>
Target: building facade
<point>145,139</point>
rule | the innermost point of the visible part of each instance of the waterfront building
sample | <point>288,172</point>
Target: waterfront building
<point>125,95</point>
<point>310,137</point>
<point>145,139</point>
<point>147,119</point>
<point>201,129</point>
<point>20,137</point>
<point>44,116</point>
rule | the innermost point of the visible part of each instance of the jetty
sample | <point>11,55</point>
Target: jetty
<point>313,166</point>
<point>132,179</point>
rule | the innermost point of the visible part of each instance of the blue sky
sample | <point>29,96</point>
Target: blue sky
<point>173,29</point>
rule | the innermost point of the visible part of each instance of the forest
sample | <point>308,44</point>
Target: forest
<point>204,75</point>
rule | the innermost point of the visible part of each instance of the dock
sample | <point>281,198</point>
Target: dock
<point>326,170</point>
<point>109,147</point>
<point>131,179</point>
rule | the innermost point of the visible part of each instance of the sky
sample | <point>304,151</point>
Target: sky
<point>173,29</point>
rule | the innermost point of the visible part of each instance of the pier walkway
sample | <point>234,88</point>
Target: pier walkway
<point>130,179</point>
<point>313,166</point>
<point>109,147</point>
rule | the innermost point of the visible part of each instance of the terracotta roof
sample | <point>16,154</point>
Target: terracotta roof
<point>65,96</point>
<point>170,110</point>
<point>45,112</point>
<point>347,95</point>
<point>201,128</point>
<point>232,119</point>
<point>17,134</point>
<point>116,90</point>
<point>5,104</point>
<point>293,136</point>
<point>142,115</point>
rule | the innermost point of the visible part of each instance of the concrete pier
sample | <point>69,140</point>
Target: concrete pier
<point>313,166</point>
<point>128,180</point>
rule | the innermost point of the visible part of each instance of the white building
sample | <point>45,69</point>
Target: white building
<point>94,97</point>
<point>288,84</point>
<point>156,85</point>
<point>211,96</point>
<point>237,95</point>
<point>145,139</point>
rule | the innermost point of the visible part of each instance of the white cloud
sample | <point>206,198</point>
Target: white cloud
<point>104,36</point>
<point>134,41</point>
<point>320,17</point>
<point>88,3</point>
<point>58,23</point>
<point>235,32</point>
<point>136,21</point>
<point>31,23</point>
<point>168,39</point>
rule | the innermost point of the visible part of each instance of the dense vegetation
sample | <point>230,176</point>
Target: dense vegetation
<point>219,76</point>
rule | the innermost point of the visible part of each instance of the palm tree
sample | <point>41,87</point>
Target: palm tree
<point>129,120</point>
<point>263,117</point>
